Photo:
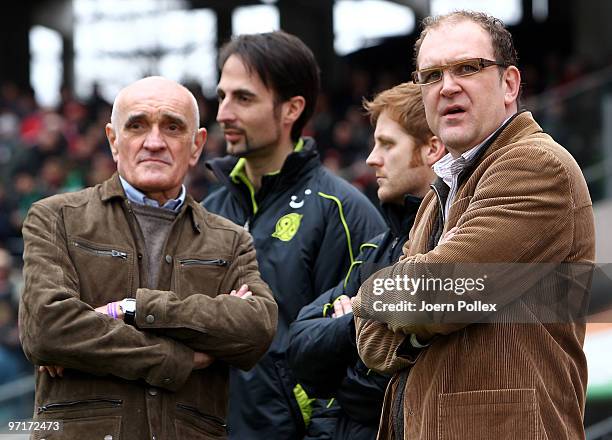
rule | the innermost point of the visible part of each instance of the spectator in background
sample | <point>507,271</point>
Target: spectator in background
<point>12,361</point>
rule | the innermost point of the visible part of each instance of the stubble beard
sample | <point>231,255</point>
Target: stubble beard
<point>258,149</point>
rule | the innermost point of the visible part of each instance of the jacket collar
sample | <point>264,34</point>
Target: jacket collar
<point>302,159</point>
<point>112,189</point>
<point>400,218</point>
<point>520,125</point>
<point>229,171</point>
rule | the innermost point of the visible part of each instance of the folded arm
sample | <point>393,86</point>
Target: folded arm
<point>57,328</point>
<point>230,328</point>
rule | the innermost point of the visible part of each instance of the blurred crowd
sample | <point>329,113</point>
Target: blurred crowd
<point>44,151</point>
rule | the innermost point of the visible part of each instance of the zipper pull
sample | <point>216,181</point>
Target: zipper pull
<point>394,242</point>
<point>246,225</point>
<point>118,254</point>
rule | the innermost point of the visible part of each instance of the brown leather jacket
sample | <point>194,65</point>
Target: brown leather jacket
<point>527,202</point>
<point>137,382</point>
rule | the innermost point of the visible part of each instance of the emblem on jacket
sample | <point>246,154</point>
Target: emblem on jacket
<point>287,226</point>
<point>295,204</point>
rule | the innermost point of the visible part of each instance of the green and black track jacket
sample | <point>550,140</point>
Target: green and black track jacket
<point>307,225</point>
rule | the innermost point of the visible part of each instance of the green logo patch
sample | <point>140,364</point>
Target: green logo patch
<point>287,226</point>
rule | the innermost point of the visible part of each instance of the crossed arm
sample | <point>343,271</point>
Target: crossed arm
<point>57,328</point>
<point>200,359</point>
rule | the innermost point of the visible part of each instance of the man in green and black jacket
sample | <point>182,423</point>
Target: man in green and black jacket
<point>307,224</point>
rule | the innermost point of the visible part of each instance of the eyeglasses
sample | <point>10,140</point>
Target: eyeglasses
<point>460,68</point>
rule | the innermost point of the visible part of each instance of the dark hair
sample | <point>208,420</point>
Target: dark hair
<point>284,64</point>
<point>404,105</point>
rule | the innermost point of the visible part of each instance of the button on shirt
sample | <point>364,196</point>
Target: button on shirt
<point>137,196</point>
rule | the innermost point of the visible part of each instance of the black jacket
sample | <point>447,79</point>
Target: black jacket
<point>307,225</point>
<point>322,350</point>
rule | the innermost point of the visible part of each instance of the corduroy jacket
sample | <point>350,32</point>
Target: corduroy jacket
<point>524,201</point>
<point>137,382</point>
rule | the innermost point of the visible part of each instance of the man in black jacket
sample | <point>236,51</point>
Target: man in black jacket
<point>307,224</point>
<point>322,351</point>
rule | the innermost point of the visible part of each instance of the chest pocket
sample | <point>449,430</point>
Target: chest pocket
<point>198,274</point>
<point>105,271</point>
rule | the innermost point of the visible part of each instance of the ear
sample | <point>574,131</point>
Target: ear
<point>432,151</point>
<point>512,81</point>
<point>112,139</point>
<point>292,109</point>
<point>197,146</point>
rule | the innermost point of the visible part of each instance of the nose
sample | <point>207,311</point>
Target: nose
<point>225,113</point>
<point>374,159</point>
<point>154,140</point>
<point>450,86</point>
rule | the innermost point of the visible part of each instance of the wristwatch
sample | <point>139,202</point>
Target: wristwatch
<point>128,307</point>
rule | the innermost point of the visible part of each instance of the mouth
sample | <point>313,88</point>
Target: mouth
<point>233,135</point>
<point>453,110</point>
<point>154,160</point>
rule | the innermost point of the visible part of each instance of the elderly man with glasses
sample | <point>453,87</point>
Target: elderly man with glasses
<point>506,193</point>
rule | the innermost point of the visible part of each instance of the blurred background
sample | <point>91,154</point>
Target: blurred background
<point>63,61</point>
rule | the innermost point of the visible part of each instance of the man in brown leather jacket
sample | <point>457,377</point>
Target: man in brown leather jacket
<point>137,300</point>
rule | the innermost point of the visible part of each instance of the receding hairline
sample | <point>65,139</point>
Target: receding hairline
<point>126,89</point>
<point>450,20</point>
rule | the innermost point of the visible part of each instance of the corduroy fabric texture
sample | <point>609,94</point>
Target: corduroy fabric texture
<point>526,201</point>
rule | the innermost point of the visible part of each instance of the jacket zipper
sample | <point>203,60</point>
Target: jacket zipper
<point>74,403</point>
<point>102,252</point>
<point>394,242</point>
<point>198,262</point>
<point>197,413</point>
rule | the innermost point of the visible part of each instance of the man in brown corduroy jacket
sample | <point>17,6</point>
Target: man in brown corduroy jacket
<point>507,193</point>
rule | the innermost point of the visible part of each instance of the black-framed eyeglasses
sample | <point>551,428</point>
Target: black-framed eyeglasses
<point>460,68</point>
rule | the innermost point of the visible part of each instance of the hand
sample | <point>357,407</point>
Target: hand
<point>105,310</point>
<point>201,360</point>
<point>342,306</point>
<point>243,292</point>
<point>53,370</point>
<point>449,234</point>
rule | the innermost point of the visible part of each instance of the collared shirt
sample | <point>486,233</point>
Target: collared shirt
<point>448,168</point>
<point>137,196</point>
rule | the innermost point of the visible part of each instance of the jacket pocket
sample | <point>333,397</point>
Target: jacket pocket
<point>105,271</point>
<point>191,423</point>
<point>91,428</point>
<point>86,418</point>
<point>79,405</point>
<point>200,275</point>
<point>488,414</point>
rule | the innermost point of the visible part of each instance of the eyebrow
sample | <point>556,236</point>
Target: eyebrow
<point>384,139</point>
<point>134,118</point>
<point>166,117</point>
<point>239,92</point>
<point>174,119</point>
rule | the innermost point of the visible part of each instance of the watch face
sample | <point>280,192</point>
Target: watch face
<point>129,305</point>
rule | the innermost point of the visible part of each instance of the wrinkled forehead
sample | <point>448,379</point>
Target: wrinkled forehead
<point>454,40</point>
<point>156,95</point>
